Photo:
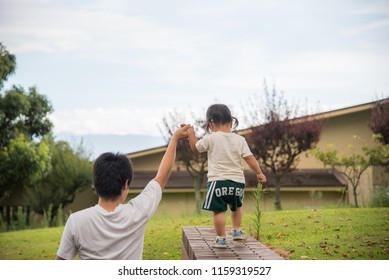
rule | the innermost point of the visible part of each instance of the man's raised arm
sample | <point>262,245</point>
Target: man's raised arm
<point>165,167</point>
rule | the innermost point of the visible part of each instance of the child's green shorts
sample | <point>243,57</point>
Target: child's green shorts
<point>223,193</point>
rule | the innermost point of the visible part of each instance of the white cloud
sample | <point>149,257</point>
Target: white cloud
<point>372,8</point>
<point>173,53</point>
<point>331,70</point>
<point>232,7</point>
<point>377,24</point>
<point>62,28</point>
<point>193,53</point>
<point>107,121</point>
<point>120,121</point>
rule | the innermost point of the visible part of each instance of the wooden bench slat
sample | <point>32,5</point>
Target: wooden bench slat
<point>197,245</point>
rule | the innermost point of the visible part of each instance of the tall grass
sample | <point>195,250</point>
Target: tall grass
<point>257,197</point>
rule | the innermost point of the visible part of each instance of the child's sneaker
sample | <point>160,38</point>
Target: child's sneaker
<point>238,234</point>
<point>220,242</point>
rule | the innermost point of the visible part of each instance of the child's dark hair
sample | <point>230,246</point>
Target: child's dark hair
<point>219,114</point>
<point>110,172</point>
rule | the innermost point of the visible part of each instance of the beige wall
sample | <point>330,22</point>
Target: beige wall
<point>340,131</point>
<point>148,162</point>
<point>380,176</point>
<point>84,199</point>
<point>182,203</point>
<point>300,200</point>
<point>371,178</point>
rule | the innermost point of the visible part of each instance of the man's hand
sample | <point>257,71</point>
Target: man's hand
<point>181,132</point>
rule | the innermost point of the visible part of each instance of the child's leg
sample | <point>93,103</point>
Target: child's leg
<point>236,218</point>
<point>219,221</point>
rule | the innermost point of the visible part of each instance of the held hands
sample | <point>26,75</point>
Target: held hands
<point>181,132</point>
<point>191,130</point>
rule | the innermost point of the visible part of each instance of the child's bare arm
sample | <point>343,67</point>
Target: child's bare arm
<point>253,164</point>
<point>169,157</point>
<point>192,139</point>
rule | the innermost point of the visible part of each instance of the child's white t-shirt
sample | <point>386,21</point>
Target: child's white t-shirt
<point>225,154</point>
<point>95,233</point>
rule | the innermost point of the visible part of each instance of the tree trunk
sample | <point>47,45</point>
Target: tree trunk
<point>355,196</point>
<point>198,180</point>
<point>277,196</point>
<point>342,197</point>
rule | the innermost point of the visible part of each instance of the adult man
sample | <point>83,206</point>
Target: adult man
<point>111,229</point>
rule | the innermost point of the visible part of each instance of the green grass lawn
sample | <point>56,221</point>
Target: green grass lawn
<point>332,234</point>
<point>302,234</point>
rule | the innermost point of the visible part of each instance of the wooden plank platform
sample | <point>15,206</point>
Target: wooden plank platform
<point>197,245</point>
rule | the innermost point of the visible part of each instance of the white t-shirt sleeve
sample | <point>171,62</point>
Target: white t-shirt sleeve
<point>245,149</point>
<point>148,200</point>
<point>203,144</point>
<point>67,249</point>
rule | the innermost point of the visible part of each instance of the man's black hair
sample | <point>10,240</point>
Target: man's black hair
<point>110,172</point>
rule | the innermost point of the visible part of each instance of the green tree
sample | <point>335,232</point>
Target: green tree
<point>70,173</point>
<point>355,163</point>
<point>23,112</point>
<point>7,64</point>
<point>23,123</point>
<point>22,162</point>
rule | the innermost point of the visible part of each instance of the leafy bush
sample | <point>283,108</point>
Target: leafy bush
<point>380,196</point>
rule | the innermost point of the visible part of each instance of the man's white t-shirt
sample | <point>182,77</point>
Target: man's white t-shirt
<point>95,233</point>
<point>225,154</point>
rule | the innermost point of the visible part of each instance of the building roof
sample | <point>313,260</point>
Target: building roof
<point>305,178</point>
<point>329,114</point>
<point>147,152</point>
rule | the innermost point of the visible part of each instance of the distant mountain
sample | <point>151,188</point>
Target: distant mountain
<point>98,144</point>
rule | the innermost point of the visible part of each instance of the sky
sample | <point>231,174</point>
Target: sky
<point>117,67</point>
